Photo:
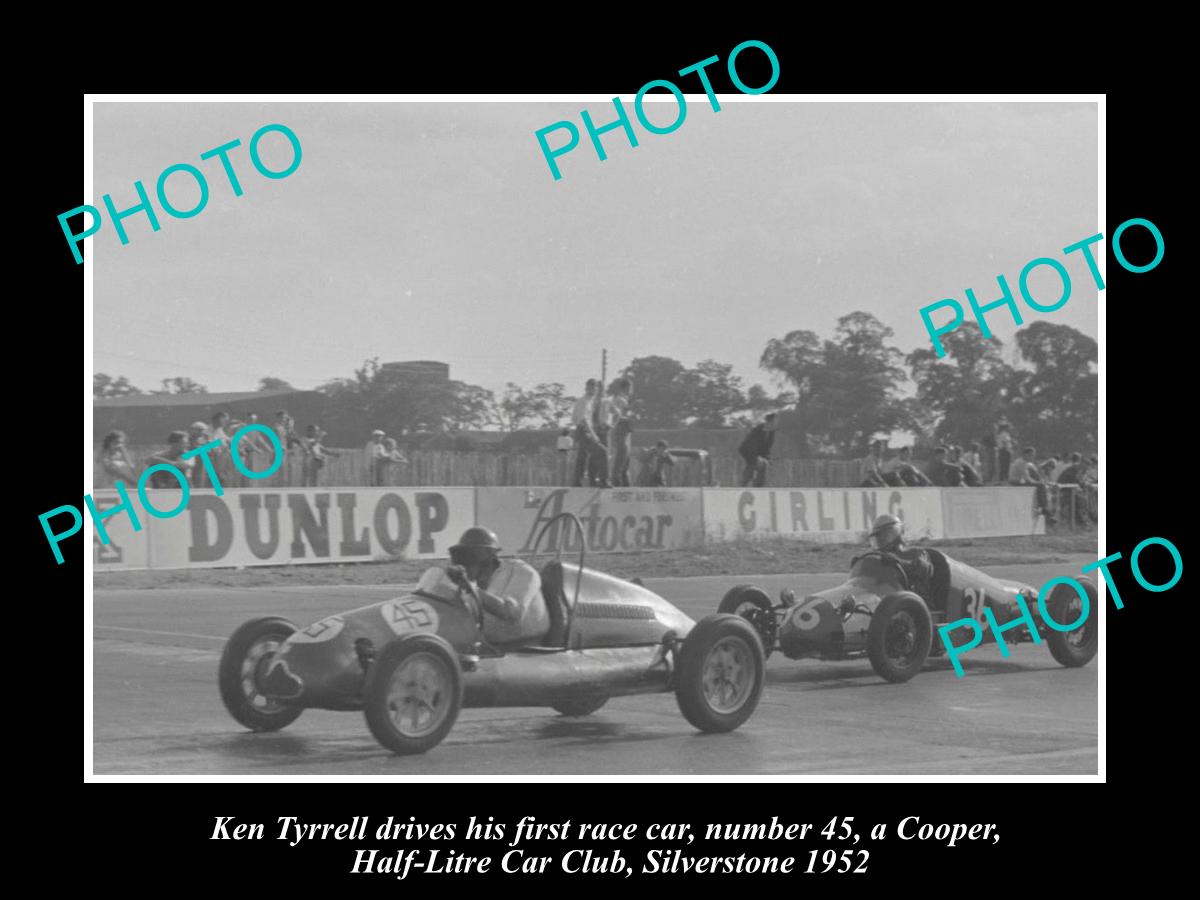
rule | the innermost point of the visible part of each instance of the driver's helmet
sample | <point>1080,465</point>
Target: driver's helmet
<point>887,533</point>
<point>476,545</point>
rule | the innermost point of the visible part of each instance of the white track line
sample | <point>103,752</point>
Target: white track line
<point>207,637</point>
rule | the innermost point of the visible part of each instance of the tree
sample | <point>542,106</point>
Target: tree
<point>181,385</point>
<point>274,384</point>
<point>847,388</point>
<point>542,405</point>
<point>1055,406</point>
<point>966,391</point>
<point>712,394</point>
<point>659,391</point>
<point>107,386</point>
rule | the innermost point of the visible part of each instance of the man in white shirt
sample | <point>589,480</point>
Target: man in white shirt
<point>510,590</point>
<point>1024,471</point>
<point>588,449</point>
<point>371,453</point>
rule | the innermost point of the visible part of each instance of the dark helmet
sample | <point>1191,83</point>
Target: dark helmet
<point>887,532</point>
<point>475,545</point>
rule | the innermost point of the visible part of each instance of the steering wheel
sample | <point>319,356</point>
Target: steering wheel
<point>887,558</point>
<point>558,552</point>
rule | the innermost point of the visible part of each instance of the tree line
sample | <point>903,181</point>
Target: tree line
<point>834,394</point>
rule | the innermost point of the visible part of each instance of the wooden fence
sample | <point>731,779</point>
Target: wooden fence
<point>447,468</point>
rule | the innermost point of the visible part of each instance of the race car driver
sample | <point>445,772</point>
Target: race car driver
<point>510,590</point>
<point>887,536</point>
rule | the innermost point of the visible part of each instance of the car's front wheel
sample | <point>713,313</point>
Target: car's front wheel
<point>244,663</point>
<point>413,693</point>
<point>1078,646</point>
<point>720,671</point>
<point>899,636</point>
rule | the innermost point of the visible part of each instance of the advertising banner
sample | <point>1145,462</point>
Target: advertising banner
<point>990,512</point>
<point>613,520</point>
<point>836,515</point>
<point>301,525</point>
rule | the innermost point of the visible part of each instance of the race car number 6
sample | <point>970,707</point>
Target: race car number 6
<point>806,616</point>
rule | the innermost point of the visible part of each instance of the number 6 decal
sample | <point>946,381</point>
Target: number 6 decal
<point>806,617</point>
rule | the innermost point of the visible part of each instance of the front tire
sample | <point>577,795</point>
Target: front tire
<point>244,661</point>
<point>720,673</point>
<point>753,605</point>
<point>413,693</point>
<point>581,707</point>
<point>1078,646</point>
<point>899,637</point>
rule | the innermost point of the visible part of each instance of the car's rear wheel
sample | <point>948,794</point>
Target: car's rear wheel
<point>1078,646</point>
<point>583,706</point>
<point>413,693</point>
<point>899,637</point>
<point>720,670</point>
<point>753,605</point>
<point>244,663</point>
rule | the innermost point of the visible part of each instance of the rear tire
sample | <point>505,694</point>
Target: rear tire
<point>899,637</point>
<point>753,605</point>
<point>720,671</point>
<point>584,706</point>
<point>245,659</point>
<point>413,693</point>
<point>1078,646</point>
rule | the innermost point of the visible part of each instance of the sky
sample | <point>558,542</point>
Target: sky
<point>436,231</point>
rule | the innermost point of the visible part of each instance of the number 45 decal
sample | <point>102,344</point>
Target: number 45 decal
<point>974,603</point>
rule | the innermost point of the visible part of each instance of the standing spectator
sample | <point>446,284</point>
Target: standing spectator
<point>990,467</point>
<point>620,438</point>
<point>871,467</point>
<point>115,458</point>
<point>220,423</point>
<point>653,460</point>
<point>255,448</point>
<point>974,459</point>
<point>177,445</point>
<point>942,472</point>
<point>1074,476</point>
<point>316,456</point>
<point>564,444</point>
<point>372,455</point>
<point>603,417</point>
<point>294,450</point>
<point>755,450</point>
<point>387,454</point>
<point>1048,469</point>
<point>1025,472</point>
<point>198,436</point>
<point>586,445</point>
<point>1004,447</point>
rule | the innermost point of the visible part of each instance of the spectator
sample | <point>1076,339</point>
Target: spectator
<point>970,475</point>
<point>653,460</point>
<point>1048,469</point>
<point>316,455</point>
<point>755,450</point>
<point>989,458</point>
<point>1074,476</point>
<point>198,435</point>
<point>604,415</point>
<point>177,445</point>
<point>115,458</point>
<point>942,472</point>
<point>905,473</point>
<point>372,455</point>
<point>620,437</point>
<point>294,450</point>
<point>974,459</point>
<point>587,446</point>
<point>871,467</point>
<point>1004,446</point>
<point>255,448</point>
<point>220,422</point>
<point>1025,472</point>
<point>564,445</point>
<point>387,455</point>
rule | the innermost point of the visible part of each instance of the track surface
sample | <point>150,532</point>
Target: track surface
<point>156,709</point>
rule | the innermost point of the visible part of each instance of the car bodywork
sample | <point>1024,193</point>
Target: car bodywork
<point>837,623</point>
<point>411,662</point>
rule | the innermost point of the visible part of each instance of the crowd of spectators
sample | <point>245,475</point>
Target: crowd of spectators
<point>304,457</point>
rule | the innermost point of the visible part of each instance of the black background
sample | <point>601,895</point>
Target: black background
<point>155,836</point>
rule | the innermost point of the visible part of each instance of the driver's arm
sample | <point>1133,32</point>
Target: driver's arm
<point>510,592</point>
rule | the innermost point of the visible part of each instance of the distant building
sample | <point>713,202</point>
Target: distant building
<point>417,370</point>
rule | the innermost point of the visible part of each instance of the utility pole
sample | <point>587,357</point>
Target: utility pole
<point>603,368</point>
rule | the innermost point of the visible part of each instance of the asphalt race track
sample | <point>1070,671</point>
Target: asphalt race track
<point>157,712</point>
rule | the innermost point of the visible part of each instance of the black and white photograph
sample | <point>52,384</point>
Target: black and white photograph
<point>682,435</point>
